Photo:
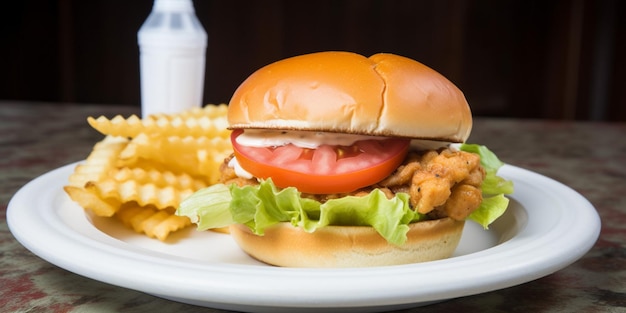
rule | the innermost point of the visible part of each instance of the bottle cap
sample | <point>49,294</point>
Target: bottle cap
<point>172,23</point>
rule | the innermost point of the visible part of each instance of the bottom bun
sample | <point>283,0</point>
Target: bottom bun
<point>348,246</point>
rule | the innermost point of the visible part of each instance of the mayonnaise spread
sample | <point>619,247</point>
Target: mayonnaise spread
<point>304,139</point>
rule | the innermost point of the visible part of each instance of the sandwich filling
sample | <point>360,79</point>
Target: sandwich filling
<point>441,183</point>
<point>456,181</point>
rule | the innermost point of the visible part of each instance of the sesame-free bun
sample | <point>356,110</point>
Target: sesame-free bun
<point>348,246</point>
<point>383,95</point>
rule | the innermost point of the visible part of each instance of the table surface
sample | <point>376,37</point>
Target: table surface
<point>590,157</point>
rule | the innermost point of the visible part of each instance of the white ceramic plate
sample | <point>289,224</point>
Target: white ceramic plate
<point>547,227</point>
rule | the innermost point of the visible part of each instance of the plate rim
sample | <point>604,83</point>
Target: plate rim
<point>212,284</point>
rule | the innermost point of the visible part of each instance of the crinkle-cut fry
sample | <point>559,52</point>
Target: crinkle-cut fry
<point>196,156</point>
<point>144,168</point>
<point>143,194</point>
<point>133,215</point>
<point>90,200</point>
<point>210,164</point>
<point>162,223</point>
<point>118,125</point>
<point>100,161</point>
<point>159,178</point>
<point>144,164</point>
<point>151,221</point>
<point>98,164</point>
<point>210,121</point>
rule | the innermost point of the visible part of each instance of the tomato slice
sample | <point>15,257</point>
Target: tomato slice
<point>325,170</point>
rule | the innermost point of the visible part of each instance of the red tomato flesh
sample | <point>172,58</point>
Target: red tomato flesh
<point>325,170</point>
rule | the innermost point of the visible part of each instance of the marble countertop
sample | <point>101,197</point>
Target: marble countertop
<point>590,157</point>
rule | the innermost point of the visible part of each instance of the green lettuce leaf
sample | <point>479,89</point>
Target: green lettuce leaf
<point>264,205</point>
<point>208,207</point>
<point>489,210</point>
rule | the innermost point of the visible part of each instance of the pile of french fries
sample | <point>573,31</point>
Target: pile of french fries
<point>143,168</point>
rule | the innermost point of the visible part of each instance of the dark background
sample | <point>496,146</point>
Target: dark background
<point>517,58</point>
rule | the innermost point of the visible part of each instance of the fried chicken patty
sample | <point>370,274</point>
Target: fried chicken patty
<point>440,183</point>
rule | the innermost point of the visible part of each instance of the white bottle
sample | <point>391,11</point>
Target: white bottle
<point>172,46</point>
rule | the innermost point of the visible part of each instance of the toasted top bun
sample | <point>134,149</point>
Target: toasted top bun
<point>348,246</point>
<point>383,95</point>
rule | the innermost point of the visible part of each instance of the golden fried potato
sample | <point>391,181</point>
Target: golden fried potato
<point>90,200</point>
<point>143,168</point>
<point>100,161</point>
<point>209,121</point>
<point>196,156</point>
<point>154,222</point>
<point>144,194</point>
<point>96,167</point>
<point>160,178</point>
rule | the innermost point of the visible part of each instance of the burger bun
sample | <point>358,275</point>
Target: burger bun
<point>383,95</point>
<point>348,246</point>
